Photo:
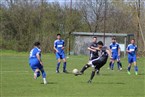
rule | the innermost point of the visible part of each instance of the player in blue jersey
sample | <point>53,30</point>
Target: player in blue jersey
<point>115,49</point>
<point>59,51</point>
<point>131,50</point>
<point>35,62</point>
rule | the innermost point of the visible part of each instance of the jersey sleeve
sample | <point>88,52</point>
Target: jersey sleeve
<point>38,51</point>
<point>118,46</point>
<point>55,43</point>
<point>127,47</point>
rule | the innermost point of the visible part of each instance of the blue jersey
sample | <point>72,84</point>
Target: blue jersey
<point>33,57</point>
<point>58,44</point>
<point>133,49</point>
<point>114,47</point>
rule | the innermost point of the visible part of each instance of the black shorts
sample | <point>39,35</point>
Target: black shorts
<point>99,62</point>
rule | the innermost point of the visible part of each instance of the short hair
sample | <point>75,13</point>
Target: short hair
<point>113,38</point>
<point>37,43</point>
<point>100,43</point>
<point>133,39</point>
<point>58,34</point>
<point>94,37</point>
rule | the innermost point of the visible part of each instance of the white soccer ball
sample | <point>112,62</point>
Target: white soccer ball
<point>75,71</point>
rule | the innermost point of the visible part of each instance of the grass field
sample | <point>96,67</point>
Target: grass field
<point>17,79</point>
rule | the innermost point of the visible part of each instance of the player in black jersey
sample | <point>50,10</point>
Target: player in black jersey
<point>103,53</point>
<point>93,45</point>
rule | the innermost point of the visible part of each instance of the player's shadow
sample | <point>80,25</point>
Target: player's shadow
<point>119,83</point>
<point>141,74</point>
<point>105,74</point>
<point>50,83</point>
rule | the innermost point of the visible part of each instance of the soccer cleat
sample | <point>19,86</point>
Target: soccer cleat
<point>128,72</point>
<point>120,69</point>
<point>89,81</point>
<point>65,71</point>
<point>57,71</point>
<point>45,82</point>
<point>136,73</point>
<point>79,73</point>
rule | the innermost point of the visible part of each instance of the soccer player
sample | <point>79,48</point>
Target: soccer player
<point>59,48</point>
<point>93,45</point>
<point>97,63</point>
<point>131,50</point>
<point>115,49</point>
<point>35,62</point>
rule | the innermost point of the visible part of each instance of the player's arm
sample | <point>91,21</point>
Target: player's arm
<point>127,50</point>
<point>39,58</point>
<point>91,49</point>
<point>63,46</point>
<point>109,53</point>
<point>119,50</point>
<point>54,47</point>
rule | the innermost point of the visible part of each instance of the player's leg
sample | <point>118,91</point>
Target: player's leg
<point>129,65</point>
<point>119,64</point>
<point>135,66</point>
<point>35,70</point>
<point>110,64</point>
<point>43,75</point>
<point>64,63</point>
<point>36,73</point>
<point>84,68</point>
<point>58,65</point>
<point>58,62</point>
<point>92,75</point>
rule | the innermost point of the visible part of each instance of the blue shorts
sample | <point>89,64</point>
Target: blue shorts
<point>115,57</point>
<point>35,65</point>
<point>131,59</point>
<point>60,56</point>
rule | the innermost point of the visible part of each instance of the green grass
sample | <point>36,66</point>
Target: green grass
<point>17,79</point>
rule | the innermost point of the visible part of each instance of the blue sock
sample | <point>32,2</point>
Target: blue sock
<point>64,66</point>
<point>129,68</point>
<point>57,67</point>
<point>43,73</point>
<point>112,66</point>
<point>136,68</point>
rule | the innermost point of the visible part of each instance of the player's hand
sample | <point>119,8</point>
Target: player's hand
<point>41,63</point>
<point>57,51</point>
<point>62,48</point>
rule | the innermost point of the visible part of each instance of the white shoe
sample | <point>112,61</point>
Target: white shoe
<point>45,82</point>
<point>120,69</point>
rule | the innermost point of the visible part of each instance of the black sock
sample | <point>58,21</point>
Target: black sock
<point>110,64</point>
<point>120,64</point>
<point>92,75</point>
<point>84,68</point>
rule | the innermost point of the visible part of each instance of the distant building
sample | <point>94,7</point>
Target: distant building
<point>83,39</point>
